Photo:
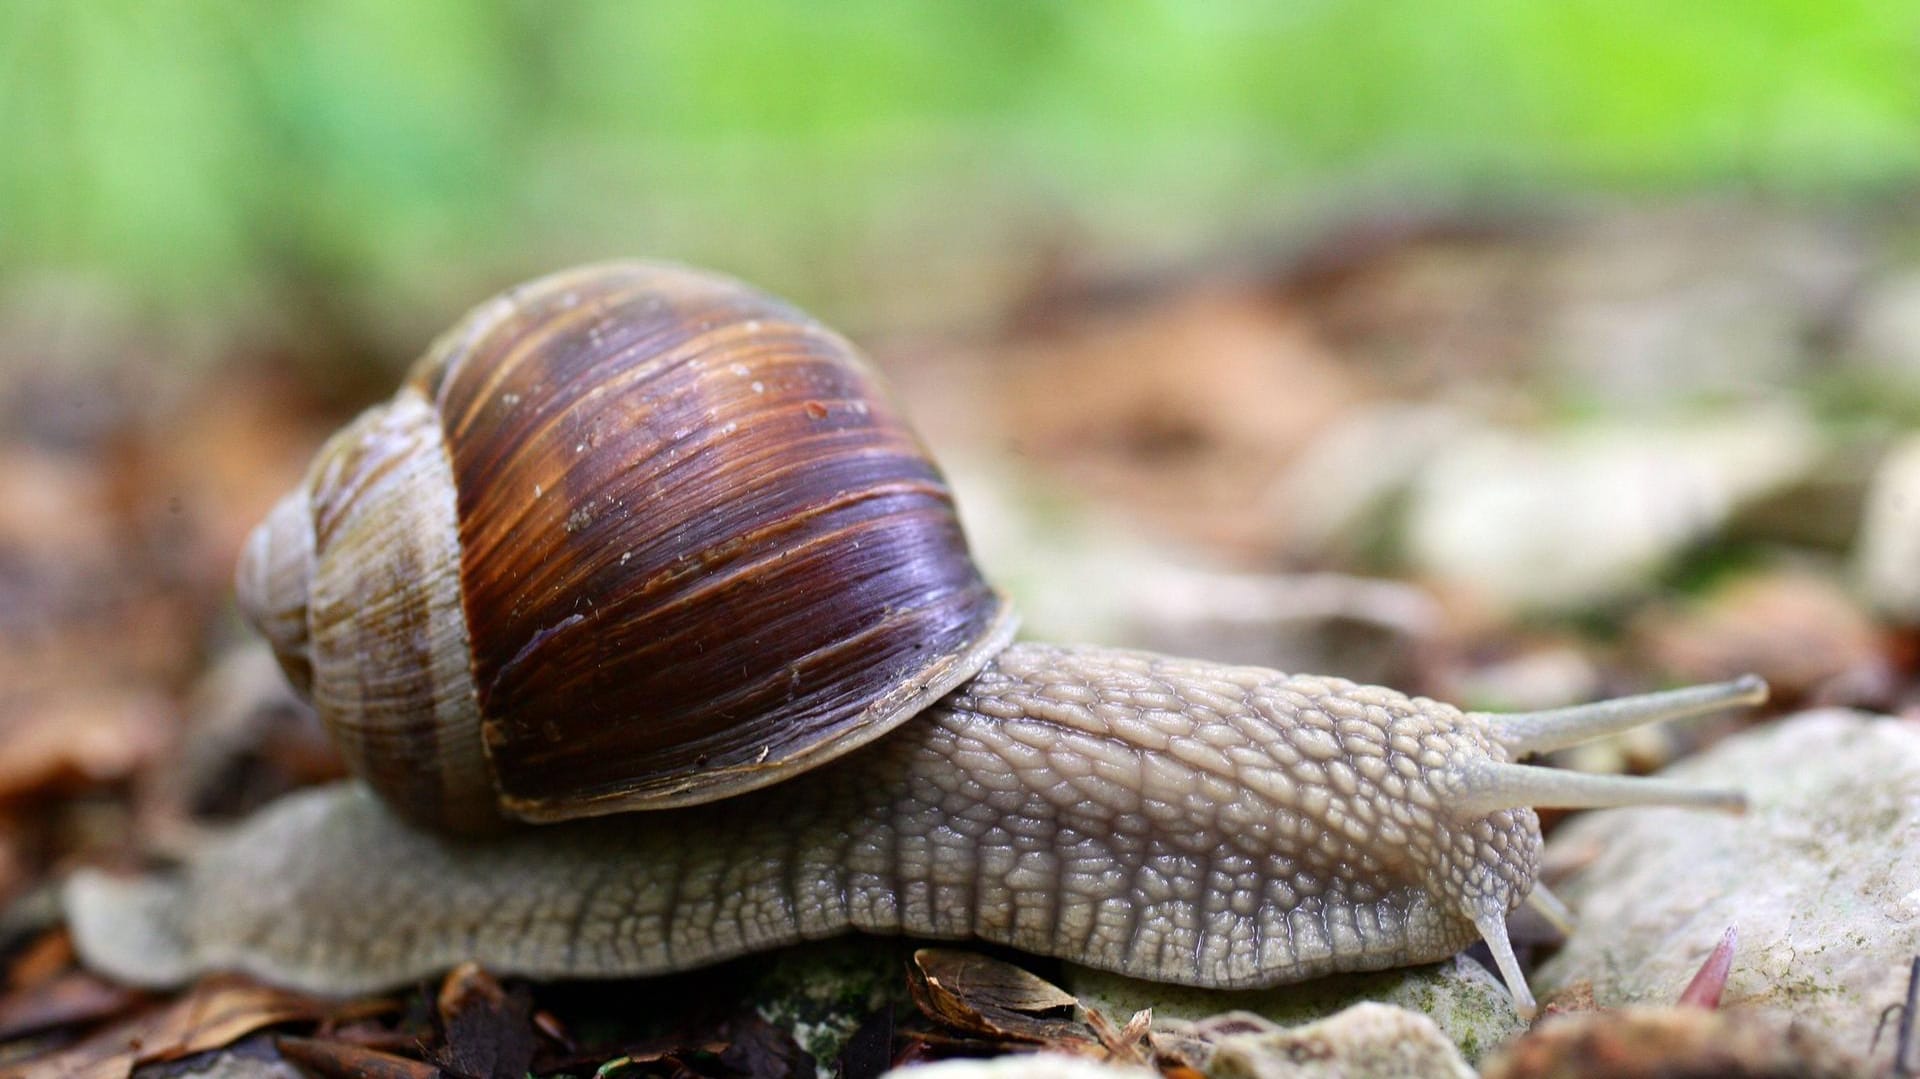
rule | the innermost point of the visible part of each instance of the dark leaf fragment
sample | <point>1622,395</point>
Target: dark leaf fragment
<point>75,998</point>
<point>343,1060</point>
<point>214,1013</point>
<point>489,1029</point>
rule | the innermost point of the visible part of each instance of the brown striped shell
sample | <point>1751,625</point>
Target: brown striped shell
<point>629,536</point>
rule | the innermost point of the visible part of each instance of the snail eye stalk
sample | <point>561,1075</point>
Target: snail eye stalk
<point>1539,732</point>
<point>1489,787</point>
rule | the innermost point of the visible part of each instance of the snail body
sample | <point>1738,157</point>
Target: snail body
<point>803,688</point>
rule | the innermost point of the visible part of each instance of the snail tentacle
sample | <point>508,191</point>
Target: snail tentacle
<point>1493,929</point>
<point>1557,728</point>
<point>1553,909</point>
<point>1486,786</point>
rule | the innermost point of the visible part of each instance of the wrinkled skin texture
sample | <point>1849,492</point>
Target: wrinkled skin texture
<point>1169,819</point>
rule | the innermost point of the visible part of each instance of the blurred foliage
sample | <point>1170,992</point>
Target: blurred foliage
<point>188,156</point>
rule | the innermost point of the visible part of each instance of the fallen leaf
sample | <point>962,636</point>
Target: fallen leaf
<point>79,739</point>
<point>982,996</point>
<point>346,1061</point>
<point>489,1031</point>
<point>215,1012</point>
<point>869,1051</point>
<point>1126,1044</point>
<point>758,1049</point>
<point>1798,630</point>
<point>70,999</point>
<point>50,955</point>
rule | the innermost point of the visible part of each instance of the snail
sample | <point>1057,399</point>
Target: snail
<point>641,544</point>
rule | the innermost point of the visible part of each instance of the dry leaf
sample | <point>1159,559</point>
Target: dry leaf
<point>489,1031</point>
<point>982,996</point>
<point>215,1012</point>
<point>346,1061</point>
<point>70,999</point>
<point>49,956</point>
<point>1126,1044</point>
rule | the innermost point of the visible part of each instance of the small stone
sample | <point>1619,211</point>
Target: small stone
<point>1884,339</point>
<point>1570,519</point>
<point>1366,1041</point>
<point>1467,1002</point>
<point>1888,558</point>
<point>1025,1066</point>
<point>1812,876</point>
<point>1670,1043</point>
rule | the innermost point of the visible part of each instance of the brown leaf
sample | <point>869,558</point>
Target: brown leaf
<point>489,1031</point>
<point>80,739</point>
<point>407,1037</point>
<point>1125,1044</point>
<point>983,996</point>
<point>1800,631</point>
<point>215,1012</point>
<point>69,999</point>
<point>50,955</point>
<point>345,1061</point>
<point>1183,404</point>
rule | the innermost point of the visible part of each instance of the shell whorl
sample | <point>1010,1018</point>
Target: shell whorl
<point>355,580</point>
<point>676,543</point>
<point>270,584</point>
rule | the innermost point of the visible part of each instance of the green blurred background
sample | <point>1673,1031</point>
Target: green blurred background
<point>359,171</point>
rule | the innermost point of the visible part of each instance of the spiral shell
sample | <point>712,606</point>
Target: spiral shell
<point>629,536</point>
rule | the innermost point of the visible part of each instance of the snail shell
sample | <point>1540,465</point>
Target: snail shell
<point>630,536</point>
